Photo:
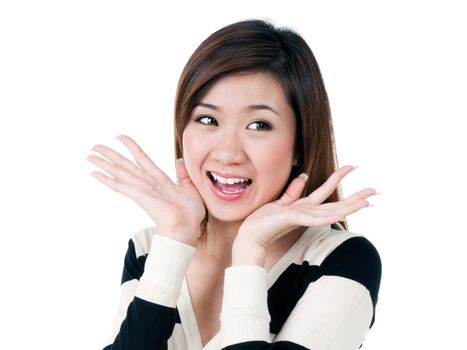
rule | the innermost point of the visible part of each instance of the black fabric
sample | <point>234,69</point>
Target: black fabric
<point>284,294</point>
<point>133,267</point>
<point>356,259</point>
<point>149,326</point>
<point>257,345</point>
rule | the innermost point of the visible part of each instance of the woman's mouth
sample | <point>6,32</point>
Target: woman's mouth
<point>229,188</point>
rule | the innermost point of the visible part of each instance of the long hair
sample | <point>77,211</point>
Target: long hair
<point>256,46</point>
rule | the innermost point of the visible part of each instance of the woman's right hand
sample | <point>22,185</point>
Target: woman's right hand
<point>177,209</point>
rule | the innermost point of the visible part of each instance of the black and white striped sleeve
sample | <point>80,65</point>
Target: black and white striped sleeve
<point>335,312</point>
<point>152,277</point>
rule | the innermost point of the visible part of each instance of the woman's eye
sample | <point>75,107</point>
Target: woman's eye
<point>259,125</point>
<point>207,120</point>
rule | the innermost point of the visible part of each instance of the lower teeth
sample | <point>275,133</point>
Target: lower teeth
<point>234,191</point>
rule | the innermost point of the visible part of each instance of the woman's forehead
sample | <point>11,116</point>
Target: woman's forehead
<point>247,91</point>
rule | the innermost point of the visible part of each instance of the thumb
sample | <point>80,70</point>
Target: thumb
<point>294,190</point>
<point>181,173</point>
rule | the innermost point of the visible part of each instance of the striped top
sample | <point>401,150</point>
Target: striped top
<point>320,295</point>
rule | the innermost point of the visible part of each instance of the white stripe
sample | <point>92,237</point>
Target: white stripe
<point>142,240</point>
<point>177,340</point>
<point>333,314</point>
<point>245,315</point>
<point>164,270</point>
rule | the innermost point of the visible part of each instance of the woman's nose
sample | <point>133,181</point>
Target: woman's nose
<point>228,149</point>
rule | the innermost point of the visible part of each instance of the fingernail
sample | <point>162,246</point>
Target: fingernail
<point>355,167</point>
<point>179,160</point>
<point>304,176</point>
<point>377,193</point>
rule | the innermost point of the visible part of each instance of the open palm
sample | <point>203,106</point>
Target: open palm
<point>275,219</point>
<point>176,208</point>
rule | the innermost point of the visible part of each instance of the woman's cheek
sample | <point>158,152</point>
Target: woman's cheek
<point>277,156</point>
<point>194,148</point>
<point>276,164</point>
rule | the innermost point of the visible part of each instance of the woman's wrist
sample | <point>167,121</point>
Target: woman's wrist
<point>247,251</point>
<point>181,233</point>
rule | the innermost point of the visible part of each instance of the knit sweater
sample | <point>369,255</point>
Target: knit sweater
<point>320,295</point>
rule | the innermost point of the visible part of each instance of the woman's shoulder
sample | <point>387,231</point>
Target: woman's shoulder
<point>345,254</point>
<point>338,241</point>
<point>331,259</point>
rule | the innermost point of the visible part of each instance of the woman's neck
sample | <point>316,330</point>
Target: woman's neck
<point>217,245</point>
<point>218,241</point>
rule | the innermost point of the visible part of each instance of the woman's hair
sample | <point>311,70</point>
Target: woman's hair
<point>256,46</point>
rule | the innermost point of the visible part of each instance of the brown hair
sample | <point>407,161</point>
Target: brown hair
<point>255,46</point>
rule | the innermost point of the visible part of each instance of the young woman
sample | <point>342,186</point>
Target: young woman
<point>250,247</point>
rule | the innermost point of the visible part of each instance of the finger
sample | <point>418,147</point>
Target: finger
<point>182,174</point>
<point>142,159</point>
<point>317,211</point>
<point>118,173</point>
<point>344,210</point>
<point>352,207</point>
<point>300,218</point>
<point>123,162</point>
<point>132,191</point>
<point>356,196</point>
<point>325,190</point>
<point>349,208</point>
<point>294,190</point>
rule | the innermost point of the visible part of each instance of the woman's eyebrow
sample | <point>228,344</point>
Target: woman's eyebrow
<point>254,107</point>
<point>206,105</point>
<point>261,106</point>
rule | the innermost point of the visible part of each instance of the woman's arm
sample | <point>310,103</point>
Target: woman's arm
<point>147,310</point>
<point>335,311</point>
<point>152,277</point>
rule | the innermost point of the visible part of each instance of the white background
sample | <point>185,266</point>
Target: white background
<point>76,73</point>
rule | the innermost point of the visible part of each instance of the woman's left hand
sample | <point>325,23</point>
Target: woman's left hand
<point>275,219</point>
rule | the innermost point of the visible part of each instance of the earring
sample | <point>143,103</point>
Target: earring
<point>295,162</point>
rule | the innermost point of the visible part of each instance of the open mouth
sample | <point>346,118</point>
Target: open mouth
<point>231,185</point>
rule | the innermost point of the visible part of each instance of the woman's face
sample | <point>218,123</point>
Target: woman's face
<point>238,145</point>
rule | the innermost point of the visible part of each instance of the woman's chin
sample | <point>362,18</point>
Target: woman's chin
<point>226,216</point>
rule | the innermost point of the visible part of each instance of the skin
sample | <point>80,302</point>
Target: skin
<point>230,138</point>
<point>224,134</point>
<point>240,232</point>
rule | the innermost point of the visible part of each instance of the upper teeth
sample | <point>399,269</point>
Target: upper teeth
<point>229,180</point>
